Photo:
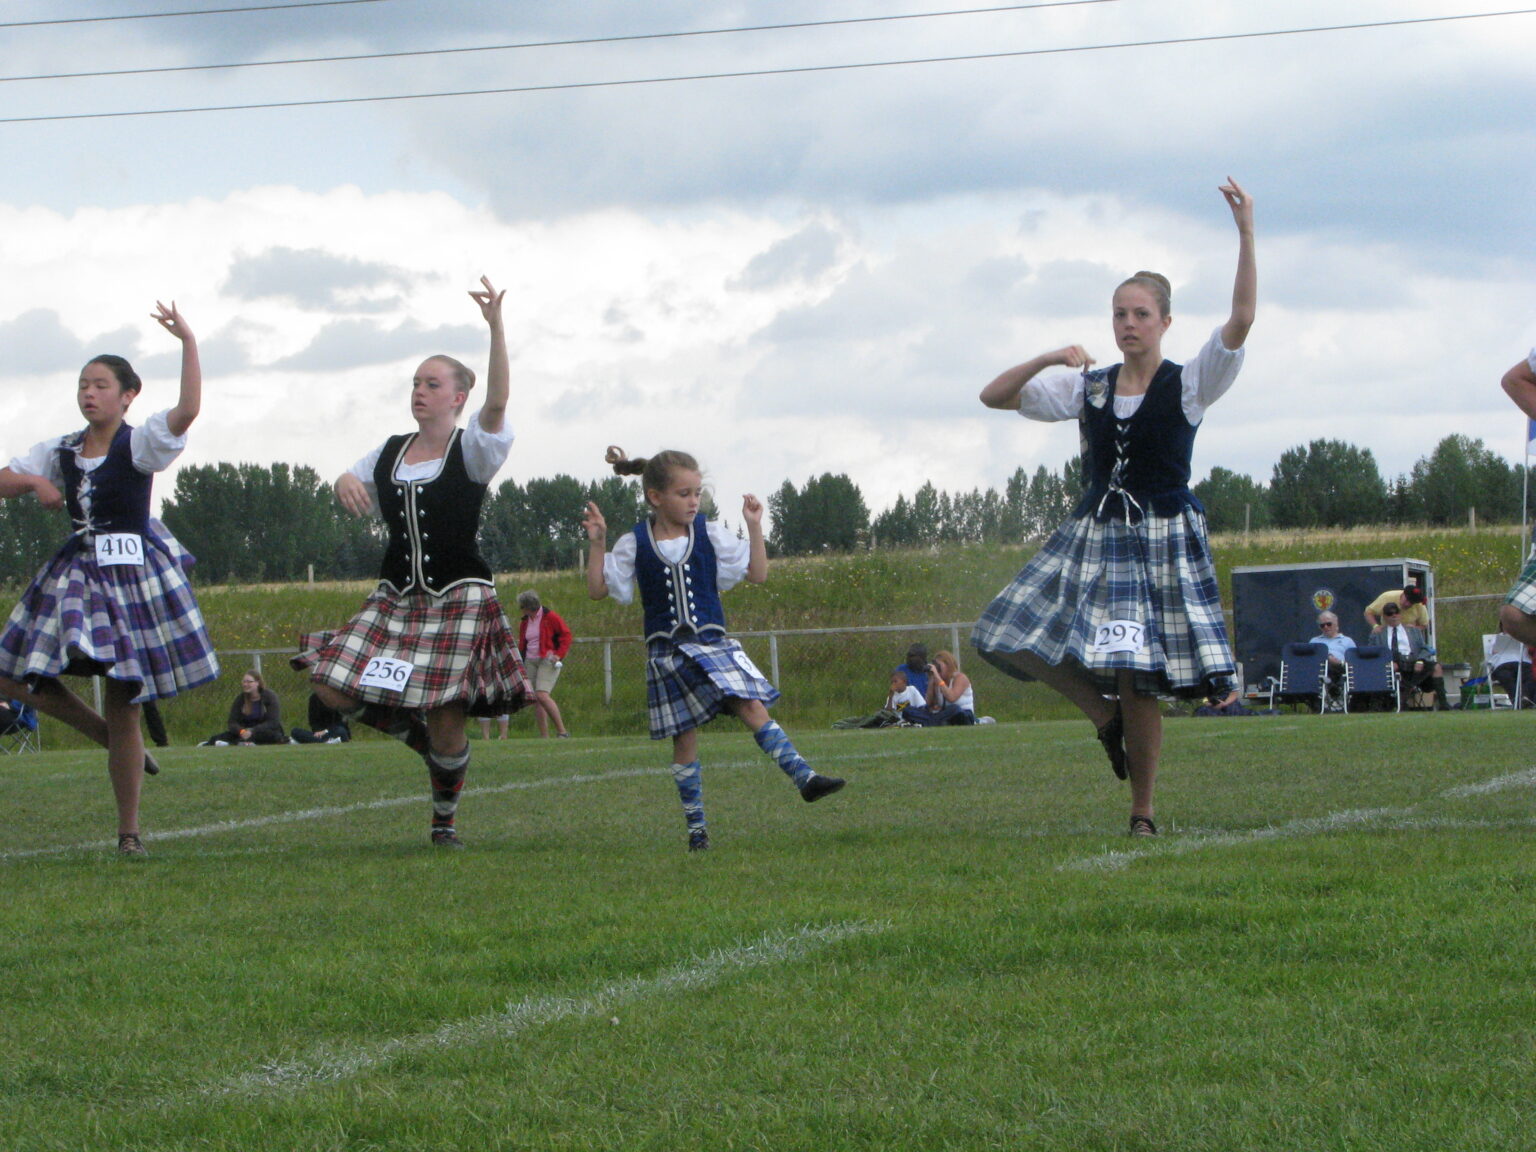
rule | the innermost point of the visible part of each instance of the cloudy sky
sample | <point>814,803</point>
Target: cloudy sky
<point>787,273</point>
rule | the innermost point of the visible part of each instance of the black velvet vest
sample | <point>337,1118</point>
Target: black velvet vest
<point>1138,465</point>
<point>432,523</point>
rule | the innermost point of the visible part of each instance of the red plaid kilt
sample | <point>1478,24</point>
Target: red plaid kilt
<point>461,646</point>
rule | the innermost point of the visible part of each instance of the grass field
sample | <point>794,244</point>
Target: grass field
<point>1331,947</point>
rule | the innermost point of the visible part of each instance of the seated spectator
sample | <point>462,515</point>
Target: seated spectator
<point>254,718</point>
<point>1335,641</point>
<point>326,725</point>
<point>10,716</point>
<point>503,722</point>
<point>950,697</point>
<point>1410,603</point>
<point>903,695</point>
<point>1229,703</point>
<point>1516,676</point>
<point>1415,659</point>
<point>916,669</point>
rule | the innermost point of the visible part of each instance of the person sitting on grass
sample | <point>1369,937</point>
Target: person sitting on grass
<point>951,699</point>
<point>326,725</point>
<point>255,717</point>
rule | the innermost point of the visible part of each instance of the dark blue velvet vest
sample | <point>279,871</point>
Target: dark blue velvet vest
<point>1139,465</point>
<point>432,523</point>
<point>682,597</point>
<point>119,491</point>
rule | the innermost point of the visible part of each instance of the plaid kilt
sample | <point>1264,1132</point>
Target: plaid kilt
<point>1523,594</point>
<point>460,645</point>
<point>139,624</point>
<point>688,681</point>
<point>1158,573</point>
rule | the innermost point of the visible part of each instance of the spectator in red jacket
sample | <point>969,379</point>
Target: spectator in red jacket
<point>543,639</point>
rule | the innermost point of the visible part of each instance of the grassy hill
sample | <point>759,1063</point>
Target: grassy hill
<point>822,677</point>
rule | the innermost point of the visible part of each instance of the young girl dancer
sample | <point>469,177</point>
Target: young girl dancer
<point>1122,600</point>
<point>694,671</point>
<point>114,601</point>
<point>431,645</point>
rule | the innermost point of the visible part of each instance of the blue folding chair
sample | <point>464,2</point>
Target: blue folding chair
<point>1303,676</point>
<point>19,733</point>
<point>1371,673</point>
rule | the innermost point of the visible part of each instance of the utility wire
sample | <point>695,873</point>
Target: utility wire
<point>578,85</point>
<point>190,12</point>
<point>552,43</point>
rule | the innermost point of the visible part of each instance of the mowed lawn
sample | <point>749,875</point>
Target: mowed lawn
<point>1332,946</point>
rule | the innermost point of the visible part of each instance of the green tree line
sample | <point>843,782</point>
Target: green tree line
<point>250,522</point>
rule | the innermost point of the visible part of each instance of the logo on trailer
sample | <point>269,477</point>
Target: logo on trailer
<point>1323,600</point>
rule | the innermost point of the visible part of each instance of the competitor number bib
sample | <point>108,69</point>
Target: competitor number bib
<point>1120,636</point>
<point>391,675</point>
<point>119,548</point>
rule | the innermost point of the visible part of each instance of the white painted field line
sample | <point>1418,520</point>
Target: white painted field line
<point>335,810</point>
<point>1526,779</point>
<point>1310,826</point>
<point>1177,846</point>
<point>329,1065</point>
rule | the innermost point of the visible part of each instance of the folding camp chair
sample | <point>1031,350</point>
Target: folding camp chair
<point>1370,673</point>
<point>1499,648</point>
<point>1303,677</point>
<point>20,734</point>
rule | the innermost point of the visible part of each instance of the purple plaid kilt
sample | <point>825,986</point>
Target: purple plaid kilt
<point>1523,594</point>
<point>688,681</point>
<point>1158,573</point>
<point>462,649</point>
<point>137,624</point>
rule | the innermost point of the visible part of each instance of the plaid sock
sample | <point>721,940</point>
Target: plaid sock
<point>690,789</point>
<point>447,776</point>
<point>772,740</point>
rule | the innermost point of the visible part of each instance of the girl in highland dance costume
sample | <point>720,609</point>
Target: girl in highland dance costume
<point>431,645</point>
<point>1121,603</point>
<point>681,563</point>
<point>114,601</point>
<point>1518,614</point>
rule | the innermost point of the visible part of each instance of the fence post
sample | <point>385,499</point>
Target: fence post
<point>96,691</point>
<point>256,662</point>
<point>954,640</point>
<point>607,673</point>
<point>773,657</point>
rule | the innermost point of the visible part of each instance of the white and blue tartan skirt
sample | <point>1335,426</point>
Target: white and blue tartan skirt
<point>1157,573</point>
<point>687,682</point>
<point>137,624</point>
<point>1523,594</point>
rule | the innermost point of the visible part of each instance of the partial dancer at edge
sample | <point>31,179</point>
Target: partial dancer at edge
<point>114,601</point>
<point>431,645</point>
<point>1121,603</point>
<point>1518,614</point>
<point>681,562</point>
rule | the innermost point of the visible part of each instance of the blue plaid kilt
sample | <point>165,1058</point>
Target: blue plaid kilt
<point>1523,594</point>
<point>460,645</point>
<point>688,681</point>
<point>139,624</point>
<point>1157,573</point>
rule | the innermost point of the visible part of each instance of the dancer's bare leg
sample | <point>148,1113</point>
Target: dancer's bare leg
<point>53,699</point>
<point>331,698</point>
<point>548,707</point>
<point>1143,743</point>
<point>125,753</point>
<point>1070,681</point>
<point>446,729</point>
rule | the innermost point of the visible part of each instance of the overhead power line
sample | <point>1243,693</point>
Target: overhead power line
<point>188,12</point>
<point>791,71</point>
<point>576,42</point>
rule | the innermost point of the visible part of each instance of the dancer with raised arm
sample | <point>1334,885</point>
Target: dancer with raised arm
<point>1121,603</point>
<point>114,601</point>
<point>431,645</point>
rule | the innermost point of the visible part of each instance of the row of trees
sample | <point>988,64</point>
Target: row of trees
<point>248,522</point>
